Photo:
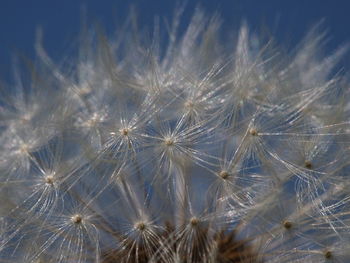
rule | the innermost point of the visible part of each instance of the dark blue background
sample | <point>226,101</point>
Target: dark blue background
<point>287,20</point>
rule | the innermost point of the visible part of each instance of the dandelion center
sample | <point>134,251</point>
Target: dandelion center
<point>287,225</point>
<point>124,131</point>
<point>77,219</point>
<point>194,221</point>
<point>189,104</point>
<point>169,141</point>
<point>141,226</point>
<point>24,148</point>
<point>328,254</point>
<point>308,164</point>
<point>49,179</point>
<point>224,174</point>
<point>253,132</point>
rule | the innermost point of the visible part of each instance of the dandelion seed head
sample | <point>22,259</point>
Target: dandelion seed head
<point>181,149</point>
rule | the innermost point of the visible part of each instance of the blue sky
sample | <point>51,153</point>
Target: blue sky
<point>287,20</point>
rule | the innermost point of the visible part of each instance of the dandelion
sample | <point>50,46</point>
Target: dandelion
<point>180,150</point>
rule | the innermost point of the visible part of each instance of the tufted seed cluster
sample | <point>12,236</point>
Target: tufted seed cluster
<point>186,148</point>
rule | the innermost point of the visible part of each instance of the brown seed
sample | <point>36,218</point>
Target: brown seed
<point>287,224</point>
<point>140,226</point>
<point>308,164</point>
<point>168,142</point>
<point>77,219</point>
<point>328,254</point>
<point>253,132</point>
<point>124,131</point>
<point>49,179</point>
<point>194,221</point>
<point>224,174</point>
